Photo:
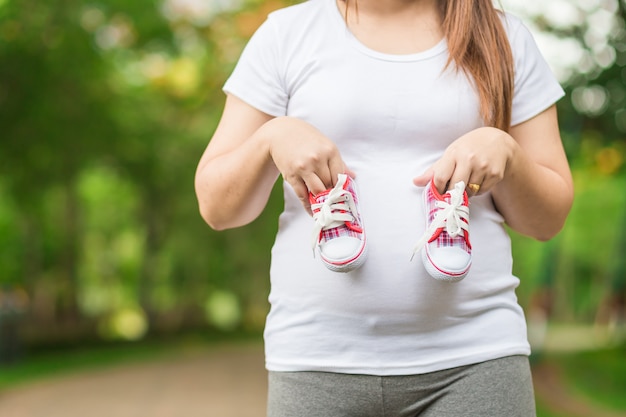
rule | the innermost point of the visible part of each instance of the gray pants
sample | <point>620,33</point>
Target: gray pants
<point>496,388</point>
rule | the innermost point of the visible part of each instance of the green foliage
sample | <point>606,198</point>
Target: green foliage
<point>598,376</point>
<point>581,265</point>
<point>10,252</point>
<point>105,109</point>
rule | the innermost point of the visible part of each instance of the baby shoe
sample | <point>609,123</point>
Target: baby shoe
<point>447,252</point>
<point>338,234</point>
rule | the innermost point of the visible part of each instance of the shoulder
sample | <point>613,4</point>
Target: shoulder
<point>285,28</point>
<point>536,87</point>
<point>516,30</point>
<point>298,15</point>
<point>512,25</point>
<point>296,29</point>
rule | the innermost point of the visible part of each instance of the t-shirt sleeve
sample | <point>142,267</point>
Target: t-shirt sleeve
<point>256,78</point>
<point>536,87</point>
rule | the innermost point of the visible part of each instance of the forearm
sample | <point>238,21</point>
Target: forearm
<point>534,199</point>
<point>233,187</point>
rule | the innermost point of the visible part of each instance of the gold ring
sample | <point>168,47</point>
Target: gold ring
<point>474,188</point>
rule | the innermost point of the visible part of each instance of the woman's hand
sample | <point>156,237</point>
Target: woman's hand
<point>479,157</point>
<point>526,172</point>
<point>307,159</point>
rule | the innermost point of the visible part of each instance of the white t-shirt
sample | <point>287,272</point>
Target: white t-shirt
<point>391,117</point>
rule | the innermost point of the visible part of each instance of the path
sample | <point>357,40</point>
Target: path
<point>224,382</point>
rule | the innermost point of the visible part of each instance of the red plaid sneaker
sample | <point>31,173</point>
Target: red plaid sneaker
<point>447,253</point>
<point>338,232</point>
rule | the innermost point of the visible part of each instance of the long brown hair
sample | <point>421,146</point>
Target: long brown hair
<point>479,46</point>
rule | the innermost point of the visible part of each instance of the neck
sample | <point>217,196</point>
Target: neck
<point>389,7</point>
<point>394,26</point>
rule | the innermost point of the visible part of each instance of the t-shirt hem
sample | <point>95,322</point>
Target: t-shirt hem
<point>397,369</point>
<point>263,107</point>
<point>548,101</point>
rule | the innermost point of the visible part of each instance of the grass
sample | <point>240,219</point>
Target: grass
<point>595,379</point>
<point>599,376</point>
<point>42,365</point>
<point>544,411</point>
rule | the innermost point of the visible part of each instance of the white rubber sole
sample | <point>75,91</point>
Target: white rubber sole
<point>439,274</point>
<point>348,265</point>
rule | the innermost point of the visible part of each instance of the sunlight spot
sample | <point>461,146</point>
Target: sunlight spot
<point>562,14</point>
<point>196,12</point>
<point>183,77</point>
<point>128,324</point>
<point>605,57</point>
<point>592,100</point>
<point>91,18</point>
<point>118,33</point>
<point>222,309</point>
<point>154,66</point>
<point>609,160</point>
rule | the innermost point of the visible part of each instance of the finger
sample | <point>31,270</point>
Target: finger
<point>422,180</point>
<point>487,184</point>
<point>327,176</point>
<point>349,172</point>
<point>302,191</point>
<point>307,205</point>
<point>461,173</point>
<point>474,185</point>
<point>442,176</point>
<point>315,184</point>
<point>336,166</point>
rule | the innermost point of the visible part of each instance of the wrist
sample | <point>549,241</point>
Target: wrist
<point>512,152</point>
<point>266,136</point>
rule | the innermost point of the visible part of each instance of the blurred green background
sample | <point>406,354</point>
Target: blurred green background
<point>105,109</point>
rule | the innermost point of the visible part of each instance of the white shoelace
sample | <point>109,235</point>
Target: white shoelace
<point>334,211</point>
<point>453,216</point>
